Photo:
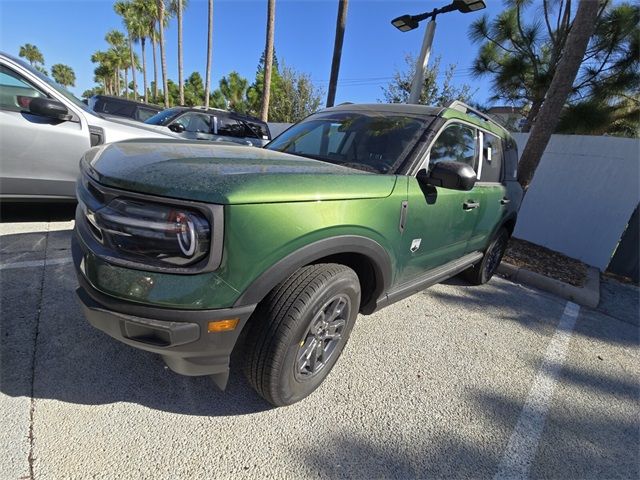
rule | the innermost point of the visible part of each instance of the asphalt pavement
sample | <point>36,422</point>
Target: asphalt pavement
<point>498,381</point>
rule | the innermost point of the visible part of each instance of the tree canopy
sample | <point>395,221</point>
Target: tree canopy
<point>522,56</point>
<point>434,92</point>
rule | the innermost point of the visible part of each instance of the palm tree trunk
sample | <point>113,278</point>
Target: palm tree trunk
<point>163,58</point>
<point>268,60</point>
<point>133,70</point>
<point>207,85</point>
<point>155,68</point>
<point>561,84</point>
<point>337,51</point>
<point>144,69</point>
<point>180,72</point>
<point>126,82</point>
<point>116,81</point>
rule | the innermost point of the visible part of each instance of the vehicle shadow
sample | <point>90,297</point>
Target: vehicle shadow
<point>583,441</point>
<point>524,309</point>
<point>48,350</point>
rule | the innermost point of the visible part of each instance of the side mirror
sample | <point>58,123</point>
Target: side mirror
<point>176,127</point>
<point>47,107</point>
<point>453,175</point>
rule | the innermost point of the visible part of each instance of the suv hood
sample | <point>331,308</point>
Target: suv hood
<point>226,174</point>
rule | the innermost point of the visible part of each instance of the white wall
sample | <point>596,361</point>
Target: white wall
<point>582,195</point>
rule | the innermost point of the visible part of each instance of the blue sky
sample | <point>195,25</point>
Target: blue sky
<point>70,31</point>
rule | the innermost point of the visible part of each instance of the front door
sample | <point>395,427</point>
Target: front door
<point>440,221</point>
<point>39,156</point>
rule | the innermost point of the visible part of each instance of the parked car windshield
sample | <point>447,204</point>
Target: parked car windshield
<point>371,141</point>
<point>163,117</point>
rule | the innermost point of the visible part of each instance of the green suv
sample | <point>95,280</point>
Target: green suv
<point>192,250</point>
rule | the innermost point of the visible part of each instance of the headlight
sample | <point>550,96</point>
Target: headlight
<point>143,231</point>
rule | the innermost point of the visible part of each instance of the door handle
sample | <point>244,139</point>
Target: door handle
<point>470,205</point>
<point>505,201</point>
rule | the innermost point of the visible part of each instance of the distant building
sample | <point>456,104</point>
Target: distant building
<point>511,117</point>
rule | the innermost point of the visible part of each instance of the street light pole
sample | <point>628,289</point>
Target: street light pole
<point>422,62</point>
<point>406,23</point>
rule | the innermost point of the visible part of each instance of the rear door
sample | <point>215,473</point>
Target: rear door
<point>491,192</point>
<point>39,156</point>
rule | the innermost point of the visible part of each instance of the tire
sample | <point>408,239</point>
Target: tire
<point>291,344</point>
<point>482,272</point>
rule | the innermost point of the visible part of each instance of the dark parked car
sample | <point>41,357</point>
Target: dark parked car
<point>213,124</point>
<point>122,107</point>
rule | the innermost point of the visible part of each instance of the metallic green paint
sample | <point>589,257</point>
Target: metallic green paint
<point>275,204</point>
<point>226,175</point>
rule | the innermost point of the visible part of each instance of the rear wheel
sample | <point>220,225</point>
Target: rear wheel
<point>300,330</point>
<point>483,271</point>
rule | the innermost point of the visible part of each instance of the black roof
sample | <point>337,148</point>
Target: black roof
<point>127,100</point>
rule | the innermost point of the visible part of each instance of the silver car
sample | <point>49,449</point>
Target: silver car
<point>45,130</point>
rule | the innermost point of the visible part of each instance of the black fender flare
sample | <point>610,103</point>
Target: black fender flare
<point>343,244</point>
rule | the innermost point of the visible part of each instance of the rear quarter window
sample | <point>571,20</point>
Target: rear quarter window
<point>492,155</point>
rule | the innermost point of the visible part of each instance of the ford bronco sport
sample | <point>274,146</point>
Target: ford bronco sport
<point>182,247</point>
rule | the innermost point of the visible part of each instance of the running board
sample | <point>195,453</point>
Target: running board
<point>431,277</point>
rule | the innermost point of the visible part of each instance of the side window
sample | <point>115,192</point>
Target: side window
<point>230,127</point>
<point>195,122</point>
<point>258,129</point>
<point>456,143</point>
<point>15,92</point>
<point>491,158</point>
<point>143,113</point>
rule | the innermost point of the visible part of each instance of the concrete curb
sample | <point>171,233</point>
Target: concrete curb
<point>589,295</point>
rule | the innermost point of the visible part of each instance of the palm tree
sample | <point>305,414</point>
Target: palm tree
<point>106,70</point>
<point>32,54</point>
<point>337,51</point>
<point>129,18</point>
<point>268,59</point>
<point>63,74</point>
<point>560,88</point>
<point>163,59</point>
<point>120,55</point>
<point>146,24</point>
<point>207,83</point>
<point>176,7</point>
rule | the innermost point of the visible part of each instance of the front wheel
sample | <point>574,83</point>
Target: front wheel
<point>300,330</point>
<point>482,272</point>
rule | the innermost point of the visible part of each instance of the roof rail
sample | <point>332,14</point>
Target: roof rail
<point>464,108</point>
<point>202,107</point>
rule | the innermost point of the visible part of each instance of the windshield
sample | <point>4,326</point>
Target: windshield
<point>371,141</point>
<point>57,87</point>
<point>163,117</point>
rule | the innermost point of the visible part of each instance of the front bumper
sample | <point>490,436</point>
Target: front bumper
<point>180,336</point>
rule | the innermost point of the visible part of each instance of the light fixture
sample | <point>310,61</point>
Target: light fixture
<point>405,23</point>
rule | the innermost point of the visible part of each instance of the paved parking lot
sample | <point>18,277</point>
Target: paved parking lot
<point>496,381</point>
